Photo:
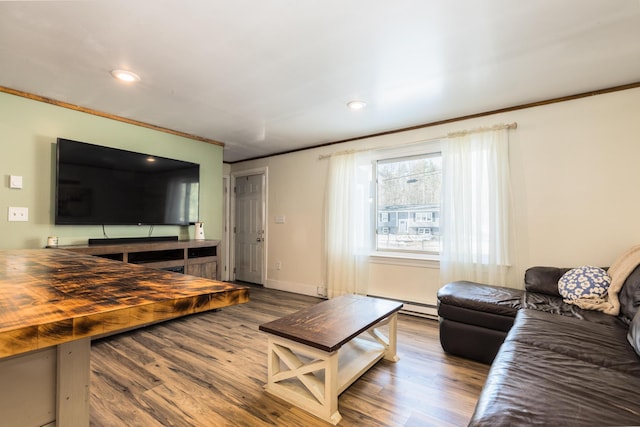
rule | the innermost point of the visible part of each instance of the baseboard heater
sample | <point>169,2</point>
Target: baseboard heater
<point>413,308</point>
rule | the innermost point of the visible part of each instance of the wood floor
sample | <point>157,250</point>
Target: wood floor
<point>209,370</point>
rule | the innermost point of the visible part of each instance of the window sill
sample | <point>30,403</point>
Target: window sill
<point>405,259</point>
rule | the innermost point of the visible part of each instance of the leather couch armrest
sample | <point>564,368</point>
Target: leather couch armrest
<point>543,280</point>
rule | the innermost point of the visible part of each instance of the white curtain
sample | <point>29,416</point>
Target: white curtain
<point>475,219</point>
<point>347,224</point>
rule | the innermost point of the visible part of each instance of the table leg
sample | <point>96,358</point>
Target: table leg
<point>291,367</point>
<point>72,405</point>
<point>389,342</point>
<point>391,351</point>
<point>47,387</point>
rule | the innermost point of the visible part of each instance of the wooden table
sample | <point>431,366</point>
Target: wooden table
<point>53,301</point>
<point>316,353</point>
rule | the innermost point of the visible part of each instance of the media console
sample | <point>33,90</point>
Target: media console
<point>194,257</point>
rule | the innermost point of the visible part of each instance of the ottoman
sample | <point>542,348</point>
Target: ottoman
<point>475,318</point>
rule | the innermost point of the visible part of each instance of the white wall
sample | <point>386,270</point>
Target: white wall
<point>575,176</point>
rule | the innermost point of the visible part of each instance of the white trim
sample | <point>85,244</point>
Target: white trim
<point>224,267</point>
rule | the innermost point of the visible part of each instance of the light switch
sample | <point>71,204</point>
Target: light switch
<point>15,181</point>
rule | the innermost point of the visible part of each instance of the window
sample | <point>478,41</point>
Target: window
<point>424,216</point>
<point>408,193</point>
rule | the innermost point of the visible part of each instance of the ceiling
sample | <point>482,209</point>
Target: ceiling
<point>270,76</point>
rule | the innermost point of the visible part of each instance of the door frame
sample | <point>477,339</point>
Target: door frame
<point>232,219</point>
<point>224,255</point>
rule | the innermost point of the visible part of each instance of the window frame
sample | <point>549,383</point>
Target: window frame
<point>424,150</point>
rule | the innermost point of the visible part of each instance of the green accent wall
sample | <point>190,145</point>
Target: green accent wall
<point>28,133</point>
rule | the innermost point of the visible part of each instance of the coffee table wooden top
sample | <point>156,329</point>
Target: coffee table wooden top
<point>51,296</point>
<point>332,323</point>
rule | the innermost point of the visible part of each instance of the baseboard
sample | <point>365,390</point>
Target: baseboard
<point>297,288</point>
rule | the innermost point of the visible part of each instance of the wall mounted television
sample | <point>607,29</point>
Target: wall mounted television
<point>97,185</point>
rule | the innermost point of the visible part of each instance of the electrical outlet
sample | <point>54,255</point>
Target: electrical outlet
<point>18,214</point>
<point>279,265</point>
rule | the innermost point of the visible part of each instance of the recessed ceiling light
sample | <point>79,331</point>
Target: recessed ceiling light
<point>125,76</point>
<point>356,105</point>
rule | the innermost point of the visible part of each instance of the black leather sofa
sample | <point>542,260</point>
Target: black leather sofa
<point>552,362</point>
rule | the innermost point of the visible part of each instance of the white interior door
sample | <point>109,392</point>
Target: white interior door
<point>249,228</point>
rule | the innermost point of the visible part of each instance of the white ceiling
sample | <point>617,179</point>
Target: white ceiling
<point>268,76</point>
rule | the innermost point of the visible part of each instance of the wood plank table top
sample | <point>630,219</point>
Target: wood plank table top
<point>48,297</point>
<point>332,323</point>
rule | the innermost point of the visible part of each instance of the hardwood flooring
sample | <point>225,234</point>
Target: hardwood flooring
<point>209,369</point>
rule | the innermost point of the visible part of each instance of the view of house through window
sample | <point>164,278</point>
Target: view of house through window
<point>408,203</point>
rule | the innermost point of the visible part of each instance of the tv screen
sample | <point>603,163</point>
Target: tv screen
<point>98,185</point>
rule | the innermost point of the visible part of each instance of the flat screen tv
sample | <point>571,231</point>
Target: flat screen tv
<point>98,185</point>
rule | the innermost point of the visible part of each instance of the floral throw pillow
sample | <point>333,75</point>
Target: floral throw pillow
<point>584,282</point>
